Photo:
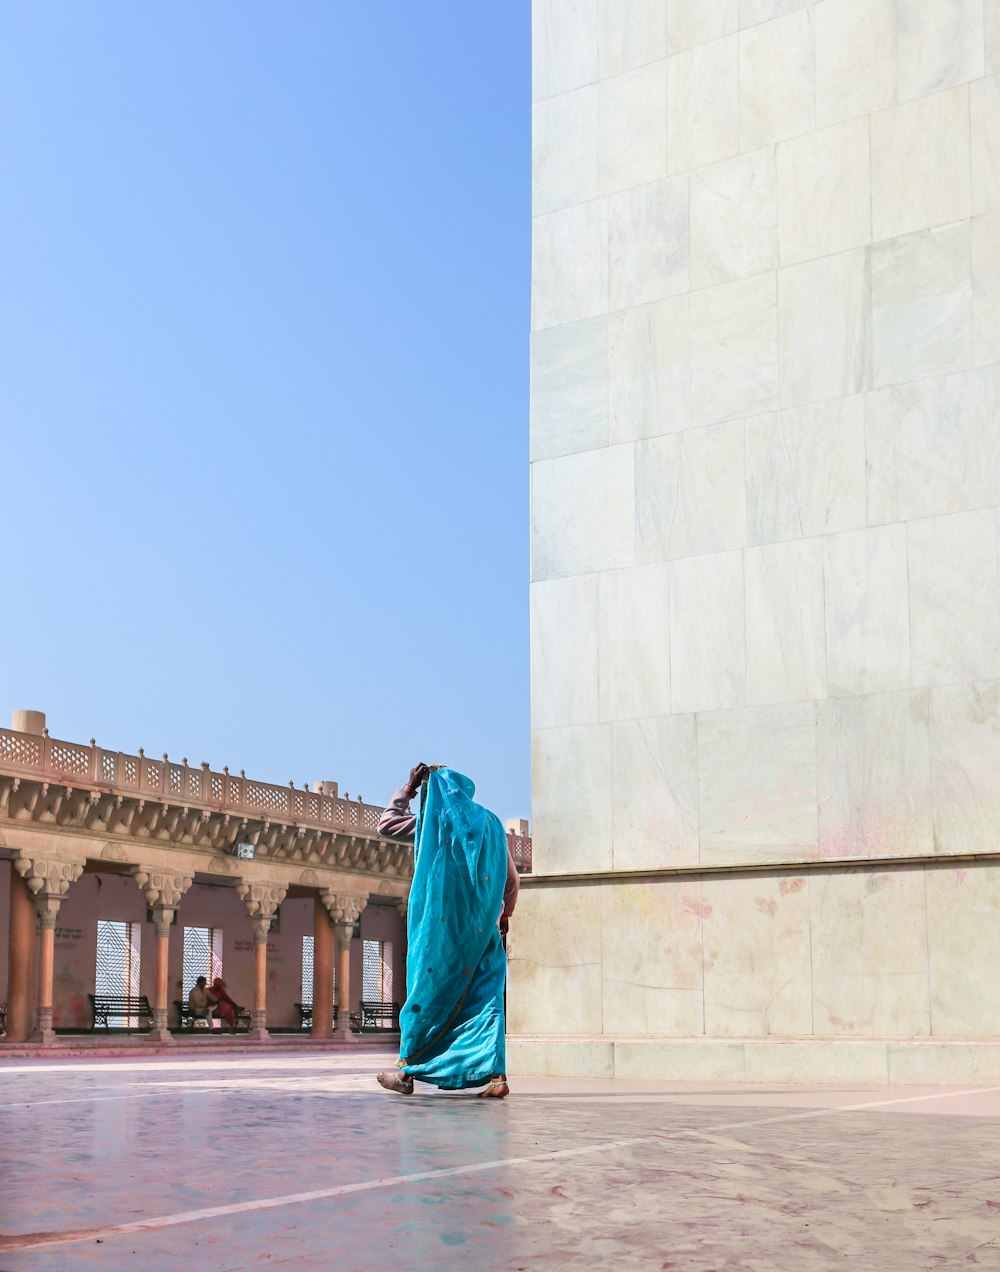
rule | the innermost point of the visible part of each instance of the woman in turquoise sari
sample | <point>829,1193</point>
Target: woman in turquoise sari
<point>464,886</point>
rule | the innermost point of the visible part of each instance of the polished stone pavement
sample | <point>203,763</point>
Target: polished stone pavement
<point>300,1161</point>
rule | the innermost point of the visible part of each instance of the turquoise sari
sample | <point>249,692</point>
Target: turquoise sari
<point>452,1023</point>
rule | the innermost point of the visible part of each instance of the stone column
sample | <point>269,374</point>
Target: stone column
<point>163,891</point>
<point>402,905</point>
<point>323,946</point>
<point>344,910</point>
<point>48,882</point>
<point>261,900</point>
<point>21,961</point>
<point>261,928</point>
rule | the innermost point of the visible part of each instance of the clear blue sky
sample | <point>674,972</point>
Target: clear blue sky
<point>263,384</point>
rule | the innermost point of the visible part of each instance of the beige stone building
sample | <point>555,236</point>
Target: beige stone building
<point>765,608</point>
<point>121,874</point>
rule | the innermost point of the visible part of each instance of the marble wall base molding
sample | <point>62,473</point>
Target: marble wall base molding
<point>943,861</point>
<point>881,1061</point>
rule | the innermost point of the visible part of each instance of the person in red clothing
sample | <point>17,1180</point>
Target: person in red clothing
<point>226,1009</point>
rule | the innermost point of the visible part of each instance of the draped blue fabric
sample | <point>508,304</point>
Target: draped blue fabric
<point>452,1024</point>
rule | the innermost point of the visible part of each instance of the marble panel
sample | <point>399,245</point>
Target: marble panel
<point>734,219</point>
<point>655,793</point>
<point>757,784</point>
<point>964,939</point>
<point>569,265</point>
<point>869,952</point>
<point>634,630</point>
<point>734,349</point>
<point>691,22</point>
<point>691,493</point>
<point>984,118</point>
<point>986,287</point>
<point>933,446</point>
<point>873,757</point>
<point>632,33</point>
<point>921,164</point>
<point>569,388</point>
<point>555,961</point>
<point>571,799</point>
<point>566,1058</point>
<point>824,199</point>
<point>564,652</point>
<point>806,470</point>
<point>649,362</point>
<point>954,598</point>
<point>949,1063</point>
<point>564,45</point>
<point>965,761</point>
<point>823,318</point>
<point>867,610</point>
<point>687,1060</point>
<point>922,304</point>
<point>564,154</point>
<point>757,961</point>
<point>939,44</point>
<point>991,31</point>
<point>649,242</point>
<point>821,1061</point>
<point>777,80</point>
<point>703,105</point>
<point>786,633</point>
<point>632,145</point>
<point>753,12</point>
<point>855,58</point>
<point>707,633</point>
<point>651,947</point>
<point>583,512</point>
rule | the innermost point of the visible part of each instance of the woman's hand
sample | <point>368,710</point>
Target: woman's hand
<point>418,775</point>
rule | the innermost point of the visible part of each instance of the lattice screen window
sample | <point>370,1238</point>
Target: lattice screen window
<point>376,972</point>
<point>118,964</point>
<point>308,968</point>
<point>308,946</point>
<point>202,955</point>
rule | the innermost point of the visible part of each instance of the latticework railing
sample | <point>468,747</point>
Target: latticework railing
<point>520,850</point>
<point>53,760</point>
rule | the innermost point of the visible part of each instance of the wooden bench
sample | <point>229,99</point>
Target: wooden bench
<point>129,1006</point>
<point>374,1015</point>
<point>185,1020</point>
<point>306,1014</point>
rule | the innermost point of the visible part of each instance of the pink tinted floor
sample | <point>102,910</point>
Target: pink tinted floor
<point>302,1162</point>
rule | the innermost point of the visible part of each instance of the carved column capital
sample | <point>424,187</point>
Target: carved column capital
<point>343,907</point>
<point>48,881</point>
<point>261,928</point>
<point>162,889</point>
<point>261,898</point>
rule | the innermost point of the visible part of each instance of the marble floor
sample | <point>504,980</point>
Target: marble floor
<point>300,1161</point>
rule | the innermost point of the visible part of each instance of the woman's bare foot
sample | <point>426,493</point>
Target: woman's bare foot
<point>398,1082</point>
<point>496,1089</point>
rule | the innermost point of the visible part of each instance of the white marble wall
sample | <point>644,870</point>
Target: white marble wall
<point>765,443</point>
<point>899,952</point>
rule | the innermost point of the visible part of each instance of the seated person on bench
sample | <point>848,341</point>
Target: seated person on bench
<point>201,1004</point>
<point>226,1009</point>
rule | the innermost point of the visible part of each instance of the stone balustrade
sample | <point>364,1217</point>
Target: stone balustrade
<point>520,850</point>
<point>116,772</point>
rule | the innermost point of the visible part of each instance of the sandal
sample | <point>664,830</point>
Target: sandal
<point>397,1082</point>
<point>495,1089</point>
